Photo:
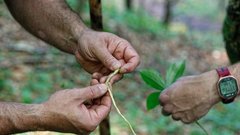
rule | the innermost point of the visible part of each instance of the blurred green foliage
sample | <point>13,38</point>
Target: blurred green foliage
<point>5,83</point>
<point>201,8</point>
<point>141,21</point>
<point>205,40</point>
<point>38,83</point>
<point>224,119</point>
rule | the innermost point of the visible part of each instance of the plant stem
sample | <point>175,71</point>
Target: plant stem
<point>204,130</point>
<point>114,103</point>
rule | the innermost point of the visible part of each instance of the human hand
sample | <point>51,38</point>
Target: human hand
<point>190,97</point>
<point>66,110</point>
<point>102,52</point>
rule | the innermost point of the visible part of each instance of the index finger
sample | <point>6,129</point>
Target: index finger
<point>131,58</point>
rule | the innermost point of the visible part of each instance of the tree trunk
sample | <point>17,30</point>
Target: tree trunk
<point>104,127</point>
<point>231,31</point>
<point>96,14</point>
<point>168,12</point>
<point>128,4</point>
<point>97,24</point>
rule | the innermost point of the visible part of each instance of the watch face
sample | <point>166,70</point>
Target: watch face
<point>228,87</point>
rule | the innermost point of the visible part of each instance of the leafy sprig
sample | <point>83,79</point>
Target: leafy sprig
<point>155,80</point>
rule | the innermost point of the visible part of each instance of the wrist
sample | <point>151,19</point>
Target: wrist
<point>51,117</point>
<point>215,94</point>
<point>211,80</point>
<point>77,30</point>
<point>74,30</point>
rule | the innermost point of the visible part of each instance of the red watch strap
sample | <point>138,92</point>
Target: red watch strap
<point>223,72</point>
<point>226,101</point>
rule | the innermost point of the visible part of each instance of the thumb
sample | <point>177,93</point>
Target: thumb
<point>94,91</point>
<point>107,58</point>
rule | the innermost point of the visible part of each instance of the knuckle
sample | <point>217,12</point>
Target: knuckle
<point>96,75</point>
<point>94,82</point>
<point>176,116</point>
<point>165,112</point>
<point>165,109</point>
<point>91,91</point>
<point>108,60</point>
<point>186,121</point>
<point>103,79</point>
<point>124,41</point>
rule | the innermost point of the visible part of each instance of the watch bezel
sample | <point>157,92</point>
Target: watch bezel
<point>218,87</point>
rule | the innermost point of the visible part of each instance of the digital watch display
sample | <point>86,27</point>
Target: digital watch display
<point>227,85</point>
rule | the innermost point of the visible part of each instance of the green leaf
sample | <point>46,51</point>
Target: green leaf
<point>170,74</point>
<point>153,79</point>
<point>174,72</point>
<point>179,70</point>
<point>152,100</point>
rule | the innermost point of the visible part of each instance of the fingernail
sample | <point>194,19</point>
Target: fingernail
<point>123,70</point>
<point>116,65</point>
<point>103,88</point>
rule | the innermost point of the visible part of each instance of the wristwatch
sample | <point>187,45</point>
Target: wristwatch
<point>227,85</point>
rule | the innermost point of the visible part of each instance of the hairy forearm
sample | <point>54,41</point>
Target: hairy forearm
<point>16,118</point>
<point>50,20</point>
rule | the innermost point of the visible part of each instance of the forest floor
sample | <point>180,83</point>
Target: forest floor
<point>24,56</point>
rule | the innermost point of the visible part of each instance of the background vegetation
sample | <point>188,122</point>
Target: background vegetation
<point>30,70</point>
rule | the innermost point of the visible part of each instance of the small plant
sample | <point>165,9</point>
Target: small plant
<point>155,80</point>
